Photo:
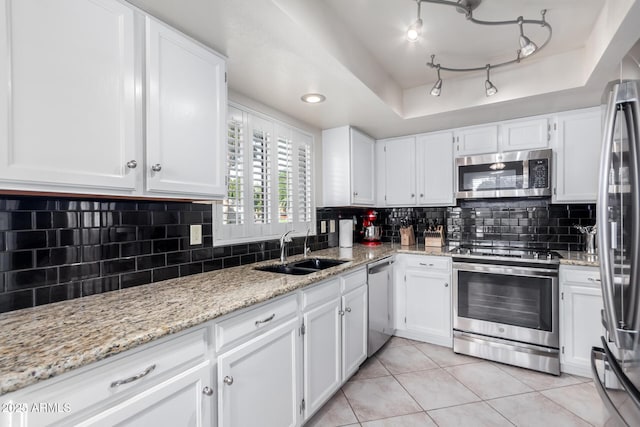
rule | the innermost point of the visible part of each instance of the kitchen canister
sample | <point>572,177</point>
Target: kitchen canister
<point>346,233</point>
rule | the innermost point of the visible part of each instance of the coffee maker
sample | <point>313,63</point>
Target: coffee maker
<point>371,233</point>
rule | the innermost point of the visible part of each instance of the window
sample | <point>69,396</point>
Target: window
<point>269,178</point>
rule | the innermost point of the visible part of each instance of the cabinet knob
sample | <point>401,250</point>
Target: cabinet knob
<point>207,391</point>
<point>355,193</point>
<point>228,380</point>
<point>341,312</point>
<point>421,195</point>
<point>131,164</point>
<point>348,309</point>
<point>413,195</point>
<point>446,285</point>
<point>156,168</point>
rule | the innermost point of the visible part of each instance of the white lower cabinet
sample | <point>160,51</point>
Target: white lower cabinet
<point>335,336</point>
<point>164,383</point>
<point>183,400</point>
<point>424,298</point>
<point>354,330</point>
<point>580,321</point>
<point>321,344</point>
<point>258,381</point>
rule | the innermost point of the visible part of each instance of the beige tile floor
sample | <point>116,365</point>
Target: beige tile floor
<point>413,384</point>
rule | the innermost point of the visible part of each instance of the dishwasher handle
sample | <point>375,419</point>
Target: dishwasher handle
<point>379,266</point>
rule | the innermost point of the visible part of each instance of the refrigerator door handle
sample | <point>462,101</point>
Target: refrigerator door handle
<point>598,354</point>
<point>631,116</point>
<point>604,236</point>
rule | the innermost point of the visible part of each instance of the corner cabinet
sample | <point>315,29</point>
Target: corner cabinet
<point>424,298</point>
<point>580,317</point>
<point>348,161</point>
<point>186,111</point>
<point>578,138</point>
<point>76,79</point>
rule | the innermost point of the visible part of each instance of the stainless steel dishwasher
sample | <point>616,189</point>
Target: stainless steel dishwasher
<point>380,281</point>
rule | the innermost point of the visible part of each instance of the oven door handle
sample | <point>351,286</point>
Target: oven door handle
<point>508,270</point>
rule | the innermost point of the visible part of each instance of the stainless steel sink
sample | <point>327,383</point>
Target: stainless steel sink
<point>318,263</point>
<point>306,266</point>
<point>286,269</point>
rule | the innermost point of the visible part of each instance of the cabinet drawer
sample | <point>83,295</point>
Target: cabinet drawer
<point>431,262</point>
<point>589,276</point>
<point>257,319</point>
<point>351,281</point>
<point>321,293</point>
<point>90,389</point>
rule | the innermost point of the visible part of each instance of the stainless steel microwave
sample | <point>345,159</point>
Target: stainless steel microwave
<point>512,174</point>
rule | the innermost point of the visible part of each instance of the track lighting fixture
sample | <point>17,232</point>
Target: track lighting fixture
<point>489,87</point>
<point>466,7</point>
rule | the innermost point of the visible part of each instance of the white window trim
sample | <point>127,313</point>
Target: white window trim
<point>249,232</point>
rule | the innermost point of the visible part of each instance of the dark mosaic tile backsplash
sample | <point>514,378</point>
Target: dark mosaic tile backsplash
<point>54,249</point>
<point>57,249</point>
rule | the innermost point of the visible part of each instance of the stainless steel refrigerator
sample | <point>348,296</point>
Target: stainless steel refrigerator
<point>616,365</point>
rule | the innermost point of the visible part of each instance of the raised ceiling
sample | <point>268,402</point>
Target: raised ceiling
<point>354,52</point>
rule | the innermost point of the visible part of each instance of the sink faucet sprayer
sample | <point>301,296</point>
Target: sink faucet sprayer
<point>307,249</point>
<point>284,239</point>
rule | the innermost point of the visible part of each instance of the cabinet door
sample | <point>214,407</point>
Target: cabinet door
<point>524,135</point>
<point>179,401</point>
<point>258,382</point>
<point>322,376</point>
<point>354,330</point>
<point>67,95</point>
<point>428,305</point>
<point>476,140</point>
<point>434,157</point>
<point>400,173</point>
<point>362,161</point>
<point>577,149</point>
<point>186,107</point>
<point>581,327</point>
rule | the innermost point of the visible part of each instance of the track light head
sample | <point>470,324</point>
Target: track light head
<point>489,88</point>
<point>437,88</point>
<point>414,30</point>
<point>527,47</point>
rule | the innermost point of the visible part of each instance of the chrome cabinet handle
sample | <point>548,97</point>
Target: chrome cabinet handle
<point>426,265</point>
<point>228,380</point>
<point>268,319</point>
<point>135,377</point>
<point>131,164</point>
<point>413,195</point>
<point>207,391</point>
<point>421,195</point>
<point>341,312</point>
<point>592,279</point>
<point>157,167</point>
<point>446,285</point>
<point>348,309</point>
<point>355,193</point>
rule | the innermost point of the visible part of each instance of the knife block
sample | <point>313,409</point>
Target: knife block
<point>434,238</point>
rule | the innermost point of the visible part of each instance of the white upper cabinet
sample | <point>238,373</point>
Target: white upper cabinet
<point>514,135</point>
<point>577,150</point>
<point>524,134</point>
<point>416,170</point>
<point>73,96</point>
<point>434,157</point>
<point>400,173</point>
<point>67,95</point>
<point>476,140</point>
<point>347,167</point>
<point>186,105</point>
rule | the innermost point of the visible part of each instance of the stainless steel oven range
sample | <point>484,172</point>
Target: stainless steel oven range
<point>505,306</point>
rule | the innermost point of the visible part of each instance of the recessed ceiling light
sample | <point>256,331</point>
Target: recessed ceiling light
<point>313,98</point>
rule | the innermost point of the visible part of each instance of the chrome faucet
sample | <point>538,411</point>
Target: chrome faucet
<point>284,239</point>
<point>307,249</point>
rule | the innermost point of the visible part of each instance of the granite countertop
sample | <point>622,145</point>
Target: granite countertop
<point>579,258</point>
<point>42,342</point>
